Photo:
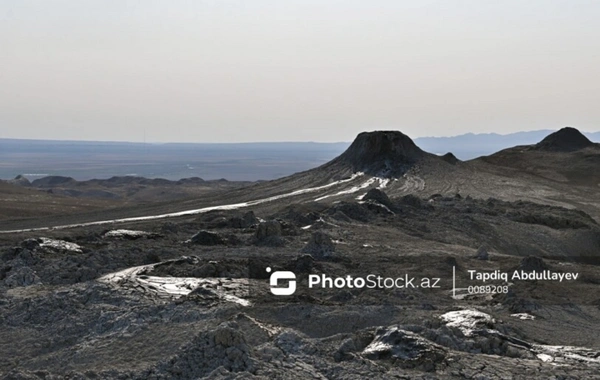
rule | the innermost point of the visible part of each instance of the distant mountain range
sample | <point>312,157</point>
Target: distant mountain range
<point>471,145</point>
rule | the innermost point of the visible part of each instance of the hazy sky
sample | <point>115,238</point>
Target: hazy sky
<point>208,71</point>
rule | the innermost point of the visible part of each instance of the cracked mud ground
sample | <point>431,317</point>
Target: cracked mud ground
<point>188,297</point>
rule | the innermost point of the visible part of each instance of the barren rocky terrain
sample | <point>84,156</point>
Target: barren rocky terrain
<point>181,288</point>
<point>54,196</point>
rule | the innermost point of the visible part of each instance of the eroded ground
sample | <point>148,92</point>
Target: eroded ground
<point>157,299</point>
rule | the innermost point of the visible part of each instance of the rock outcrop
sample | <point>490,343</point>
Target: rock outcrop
<point>320,245</point>
<point>379,196</point>
<point>207,238</point>
<point>269,233</point>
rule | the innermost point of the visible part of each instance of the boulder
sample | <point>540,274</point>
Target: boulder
<point>169,228</point>
<point>269,233</point>
<point>303,264</point>
<point>406,348</point>
<point>532,263</point>
<point>482,253</point>
<point>207,238</point>
<point>246,221</point>
<point>23,276</point>
<point>320,245</point>
<point>249,219</point>
<point>378,196</point>
<point>412,200</point>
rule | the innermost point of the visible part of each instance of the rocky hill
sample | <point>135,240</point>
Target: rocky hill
<point>565,140</point>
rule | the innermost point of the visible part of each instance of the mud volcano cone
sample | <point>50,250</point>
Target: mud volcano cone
<point>382,153</point>
<point>565,140</point>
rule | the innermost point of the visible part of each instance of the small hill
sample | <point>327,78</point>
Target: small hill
<point>564,140</point>
<point>53,180</point>
<point>564,156</point>
<point>450,158</point>
<point>20,181</point>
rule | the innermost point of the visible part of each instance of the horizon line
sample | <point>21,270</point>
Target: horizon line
<point>267,142</point>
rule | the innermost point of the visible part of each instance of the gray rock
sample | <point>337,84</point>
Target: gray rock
<point>206,270</point>
<point>532,263</point>
<point>407,348</point>
<point>249,219</point>
<point>269,233</point>
<point>207,238</point>
<point>351,210</point>
<point>204,294</point>
<point>169,228</point>
<point>23,276</point>
<point>224,349</point>
<point>482,253</point>
<point>378,196</point>
<point>320,245</point>
<point>304,264</point>
<point>412,200</point>
<point>246,221</point>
